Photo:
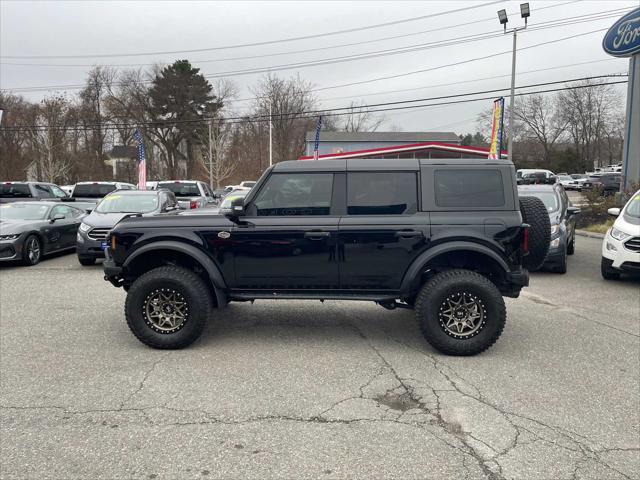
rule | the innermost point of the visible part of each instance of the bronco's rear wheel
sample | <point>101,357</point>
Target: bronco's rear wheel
<point>168,307</point>
<point>460,312</point>
<point>535,214</point>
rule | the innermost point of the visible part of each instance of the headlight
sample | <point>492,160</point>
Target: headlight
<point>555,229</point>
<point>618,235</point>
<point>554,243</point>
<point>9,237</point>
<point>84,228</point>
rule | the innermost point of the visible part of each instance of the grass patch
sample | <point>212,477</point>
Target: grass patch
<point>600,227</point>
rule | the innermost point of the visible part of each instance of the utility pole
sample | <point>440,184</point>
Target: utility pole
<point>210,156</point>
<point>502,16</point>
<point>270,136</point>
<point>513,96</point>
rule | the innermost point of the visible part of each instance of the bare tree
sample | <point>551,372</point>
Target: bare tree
<point>48,137</point>
<point>541,120</point>
<point>589,112</point>
<point>286,99</point>
<point>360,119</point>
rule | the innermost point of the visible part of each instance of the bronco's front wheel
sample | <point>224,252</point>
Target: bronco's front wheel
<point>167,307</point>
<point>460,312</point>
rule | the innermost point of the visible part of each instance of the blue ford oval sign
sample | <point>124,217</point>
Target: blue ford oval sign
<point>623,38</point>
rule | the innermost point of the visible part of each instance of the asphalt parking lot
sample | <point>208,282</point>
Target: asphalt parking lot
<point>309,390</point>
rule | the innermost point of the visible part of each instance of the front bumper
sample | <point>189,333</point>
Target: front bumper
<point>87,247</point>
<point>112,272</point>
<point>11,250</point>
<point>621,257</point>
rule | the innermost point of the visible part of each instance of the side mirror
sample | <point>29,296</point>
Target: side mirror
<point>614,211</point>
<point>573,210</point>
<point>58,216</point>
<point>88,210</point>
<point>236,209</point>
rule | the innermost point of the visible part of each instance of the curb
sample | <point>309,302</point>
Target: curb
<point>584,233</point>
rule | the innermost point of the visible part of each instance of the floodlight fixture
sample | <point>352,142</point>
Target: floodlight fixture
<point>502,16</point>
<point>524,10</point>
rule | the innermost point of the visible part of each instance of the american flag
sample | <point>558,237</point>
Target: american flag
<point>142,164</point>
<point>316,145</point>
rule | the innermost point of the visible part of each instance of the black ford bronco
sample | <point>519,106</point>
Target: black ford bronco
<point>445,237</point>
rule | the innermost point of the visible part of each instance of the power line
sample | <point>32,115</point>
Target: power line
<point>334,60</point>
<point>557,67</point>
<point>462,62</point>
<point>268,42</point>
<point>333,111</point>
<point>586,17</point>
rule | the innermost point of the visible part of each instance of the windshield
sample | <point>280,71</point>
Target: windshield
<point>92,190</point>
<point>564,177</point>
<point>633,207</point>
<point>549,198</point>
<point>577,176</point>
<point>14,190</point>
<point>19,211</point>
<point>128,203</point>
<point>226,203</point>
<point>181,189</point>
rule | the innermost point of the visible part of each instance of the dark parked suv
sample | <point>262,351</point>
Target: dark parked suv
<point>443,237</point>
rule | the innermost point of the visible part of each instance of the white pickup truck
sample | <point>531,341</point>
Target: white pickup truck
<point>190,193</point>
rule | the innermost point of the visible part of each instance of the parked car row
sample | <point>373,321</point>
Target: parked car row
<point>607,181</point>
<point>39,218</point>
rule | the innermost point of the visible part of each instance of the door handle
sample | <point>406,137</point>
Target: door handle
<point>409,233</point>
<point>316,235</point>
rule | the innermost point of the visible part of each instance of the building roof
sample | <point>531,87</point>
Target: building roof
<point>447,147</point>
<point>412,137</point>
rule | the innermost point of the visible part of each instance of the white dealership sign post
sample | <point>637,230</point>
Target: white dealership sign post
<point>623,40</point>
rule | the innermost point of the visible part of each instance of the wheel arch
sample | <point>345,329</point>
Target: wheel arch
<point>459,254</point>
<point>157,254</point>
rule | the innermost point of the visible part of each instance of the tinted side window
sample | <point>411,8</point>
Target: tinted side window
<point>382,193</point>
<point>43,191</point>
<point>287,194</point>
<point>469,188</point>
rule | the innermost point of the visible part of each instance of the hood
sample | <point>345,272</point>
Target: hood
<point>12,227</point>
<point>171,222</point>
<point>103,220</point>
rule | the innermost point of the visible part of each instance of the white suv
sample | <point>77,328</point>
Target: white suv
<point>621,244</point>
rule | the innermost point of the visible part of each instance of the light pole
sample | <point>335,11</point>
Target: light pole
<point>210,157</point>
<point>270,135</point>
<point>502,16</point>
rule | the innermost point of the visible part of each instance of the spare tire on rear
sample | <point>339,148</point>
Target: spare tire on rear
<point>534,212</point>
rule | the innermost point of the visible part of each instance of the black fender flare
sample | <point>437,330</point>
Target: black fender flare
<point>414,270</point>
<point>217,280</point>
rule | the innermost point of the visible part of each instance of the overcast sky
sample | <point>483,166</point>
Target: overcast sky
<point>94,28</point>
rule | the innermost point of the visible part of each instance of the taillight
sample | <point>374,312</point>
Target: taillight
<point>525,240</point>
<point>193,204</point>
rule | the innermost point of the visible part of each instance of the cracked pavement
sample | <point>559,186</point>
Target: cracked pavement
<point>284,389</point>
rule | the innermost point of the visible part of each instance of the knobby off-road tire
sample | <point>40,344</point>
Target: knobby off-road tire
<point>479,295</point>
<point>168,307</point>
<point>535,214</point>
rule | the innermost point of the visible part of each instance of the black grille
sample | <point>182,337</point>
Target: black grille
<point>633,244</point>
<point>7,252</point>
<point>98,233</point>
